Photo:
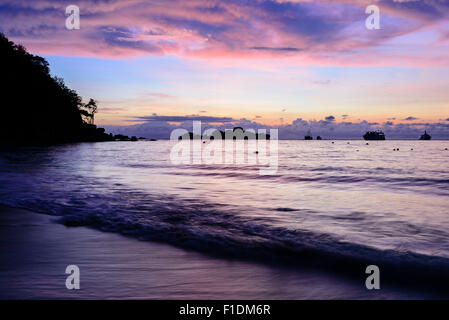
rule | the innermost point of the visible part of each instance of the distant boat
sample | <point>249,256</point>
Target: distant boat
<point>308,136</point>
<point>425,136</point>
<point>319,138</point>
<point>374,135</point>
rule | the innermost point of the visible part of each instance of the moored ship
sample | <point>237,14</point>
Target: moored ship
<point>308,136</point>
<point>425,136</point>
<point>374,135</point>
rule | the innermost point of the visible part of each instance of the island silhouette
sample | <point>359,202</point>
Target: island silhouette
<point>237,133</point>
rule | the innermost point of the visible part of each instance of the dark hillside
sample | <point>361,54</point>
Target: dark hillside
<point>37,108</point>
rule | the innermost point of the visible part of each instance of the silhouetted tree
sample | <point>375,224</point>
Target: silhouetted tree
<point>89,110</point>
<point>39,108</point>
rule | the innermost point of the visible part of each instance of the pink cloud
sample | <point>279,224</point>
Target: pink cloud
<point>300,32</point>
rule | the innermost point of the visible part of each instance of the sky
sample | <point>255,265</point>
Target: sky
<point>296,65</point>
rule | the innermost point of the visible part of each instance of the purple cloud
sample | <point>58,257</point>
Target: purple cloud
<point>160,127</point>
<point>153,118</point>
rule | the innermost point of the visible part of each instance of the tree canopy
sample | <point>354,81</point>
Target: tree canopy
<point>37,107</point>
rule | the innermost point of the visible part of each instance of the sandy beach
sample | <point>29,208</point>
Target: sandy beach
<point>35,250</point>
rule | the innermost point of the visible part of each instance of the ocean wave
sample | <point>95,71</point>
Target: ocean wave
<point>212,232</point>
<point>215,230</point>
<point>434,185</point>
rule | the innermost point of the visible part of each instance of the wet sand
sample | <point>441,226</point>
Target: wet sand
<point>35,250</point>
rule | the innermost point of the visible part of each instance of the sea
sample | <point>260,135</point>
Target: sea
<point>334,206</point>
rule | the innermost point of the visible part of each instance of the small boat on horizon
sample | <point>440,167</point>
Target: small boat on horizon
<point>425,136</point>
<point>308,136</point>
<point>374,135</point>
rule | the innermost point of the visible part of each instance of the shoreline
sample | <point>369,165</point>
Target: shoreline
<point>35,250</point>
